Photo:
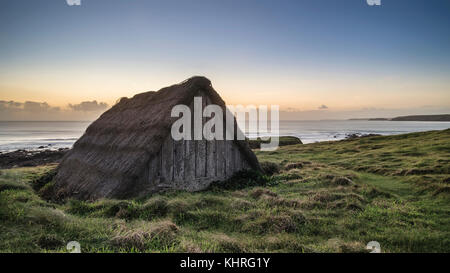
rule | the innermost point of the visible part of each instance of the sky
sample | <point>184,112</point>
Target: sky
<point>316,59</point>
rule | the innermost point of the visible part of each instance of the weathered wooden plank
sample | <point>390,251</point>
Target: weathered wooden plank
<point>189,146</point>
<point>237,158</point>
<point>200,154</point>
<point>189,161</point>
<point>220,159</point>
<point>167,160</point>
<point>211,158</point>
<point>178,153</point>
<point>229,158</point>
<point>154,169</point>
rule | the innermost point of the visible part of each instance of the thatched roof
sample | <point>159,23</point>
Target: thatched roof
<point>110,159</point>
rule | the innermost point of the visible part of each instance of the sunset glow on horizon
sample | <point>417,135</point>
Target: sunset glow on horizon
<point>303,56</point>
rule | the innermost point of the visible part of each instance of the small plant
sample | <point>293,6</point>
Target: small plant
<point>244,179</point>
<point>50,241</point>
<point>41,181</point>
<point>78,207</point>
<point>270,168</point>
<point>156,207</point>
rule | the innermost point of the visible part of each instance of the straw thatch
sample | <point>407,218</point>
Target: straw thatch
<point>112,158</point>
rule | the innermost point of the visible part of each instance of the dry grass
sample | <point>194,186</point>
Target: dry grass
<point>140,238</point>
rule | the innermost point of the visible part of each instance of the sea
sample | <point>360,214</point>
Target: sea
<point>35,135</point>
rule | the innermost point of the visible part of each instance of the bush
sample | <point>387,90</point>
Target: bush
<point>47,191</point>
<point>49,241</point>
<point>156,207</point>
<point>41,181</point>
<point>270,168</point>
<point>244,179</point>
<point>81,208</point>
<point>123,210</point>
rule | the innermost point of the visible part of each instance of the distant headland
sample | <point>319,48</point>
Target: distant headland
<point>445,117</point>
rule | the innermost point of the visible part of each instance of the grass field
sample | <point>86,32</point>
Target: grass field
<point>322,197</point>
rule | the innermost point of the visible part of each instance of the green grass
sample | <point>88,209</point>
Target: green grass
<point>323,197</point>
<point>282,141</point>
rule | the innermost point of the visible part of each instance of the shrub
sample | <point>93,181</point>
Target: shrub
<point>244,179</point>
<point>47,191</point>
<point>41,181</point>
<point>155,207</point>
<point>50,242</point>
<point>80,207</point>
<point>123,210</point>
<point>269,168</point>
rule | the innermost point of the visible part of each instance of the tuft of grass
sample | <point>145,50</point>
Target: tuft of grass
<point>42,180</point>
<point>244,179</point>
<point>282,141</point>
<point>270,168</point>
<point>148,236</point>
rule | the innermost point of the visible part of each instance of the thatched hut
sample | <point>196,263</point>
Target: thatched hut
<point>129,151</point>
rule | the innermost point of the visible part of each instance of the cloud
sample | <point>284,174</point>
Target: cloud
<point>28,106</point>
<point>32,110</point>
<point>31,106</point>
<point>88,106</point>
<point>291,109</point>
<point>9,104</point>
<point>322,107</point>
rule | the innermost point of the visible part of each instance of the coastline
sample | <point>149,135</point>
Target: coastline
<point>31,158</point>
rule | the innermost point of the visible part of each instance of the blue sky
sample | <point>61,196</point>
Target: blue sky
<point>298,54</point>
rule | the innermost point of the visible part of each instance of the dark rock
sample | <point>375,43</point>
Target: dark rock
<point>23,158</point>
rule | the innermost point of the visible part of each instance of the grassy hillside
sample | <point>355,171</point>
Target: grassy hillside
<point>423,118</point>
<point>324,197</point>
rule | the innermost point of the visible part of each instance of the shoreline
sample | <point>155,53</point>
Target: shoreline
<point>31,158</point>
